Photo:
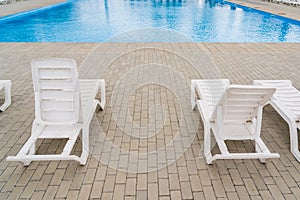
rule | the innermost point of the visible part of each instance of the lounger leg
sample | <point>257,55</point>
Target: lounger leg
<point>258,142</point>
<point>258,150</point>
<point>32,146</point>
<point>32,149</point>
<point>193,94</point>
<point>31,152</point>
<point>85,144</point>
<point>207,144</point>
<point>102,88</point>
<point>7,89</point>
<point>294,141</point>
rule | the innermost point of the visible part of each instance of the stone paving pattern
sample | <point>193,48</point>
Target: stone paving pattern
<point>189,177</point>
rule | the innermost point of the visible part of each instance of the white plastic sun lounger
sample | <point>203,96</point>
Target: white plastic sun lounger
<point>3,1</point>
<point>231,112</point>
<point>286,101</point>
<point>278,1</point>
<point>295,3</point>
<point>64,107</point>
<point>6,84</point>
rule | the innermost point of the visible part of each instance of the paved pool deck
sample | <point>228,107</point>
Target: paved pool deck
<point>121,164</point>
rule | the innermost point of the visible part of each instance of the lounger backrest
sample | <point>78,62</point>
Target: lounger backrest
<point>211,90</point>
<point>56,89</point>
<point>240,103</point>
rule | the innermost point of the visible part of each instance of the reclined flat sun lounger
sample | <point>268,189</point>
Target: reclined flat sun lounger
<point>64,108</point>
<point>231,112</point>
<point>6,84</point>
<point>286,101</point>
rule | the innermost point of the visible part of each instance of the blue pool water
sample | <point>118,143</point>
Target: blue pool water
<point>148,20</point>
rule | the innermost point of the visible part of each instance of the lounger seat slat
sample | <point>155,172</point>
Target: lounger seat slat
<point>292,94</point>
<point>229,110</point>
<point>58,110</point>
<point>55,84</point>
<point>63,77</point>
<point>53,68</point>
<point>57,99</point>
<point>58,89</point>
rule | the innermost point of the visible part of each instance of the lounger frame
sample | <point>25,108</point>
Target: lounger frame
<point>286,101</point>
<point>64,108</point>
<point>231,112</point>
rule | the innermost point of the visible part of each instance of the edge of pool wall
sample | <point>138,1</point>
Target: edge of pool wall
<point>32,11</point>
<point>295,21</point>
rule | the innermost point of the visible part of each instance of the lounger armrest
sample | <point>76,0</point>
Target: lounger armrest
<point>204,110</point>
<point>89,112</point>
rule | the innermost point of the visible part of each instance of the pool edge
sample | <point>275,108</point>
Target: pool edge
<point>32,11</point>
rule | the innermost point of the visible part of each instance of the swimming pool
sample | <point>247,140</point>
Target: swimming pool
<point>148,21</point>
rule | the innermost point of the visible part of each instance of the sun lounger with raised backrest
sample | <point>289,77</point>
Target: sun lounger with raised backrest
<point>6,85</point>
<point>286,101</point>
<point>231,112</point>
<point>64,108</point>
